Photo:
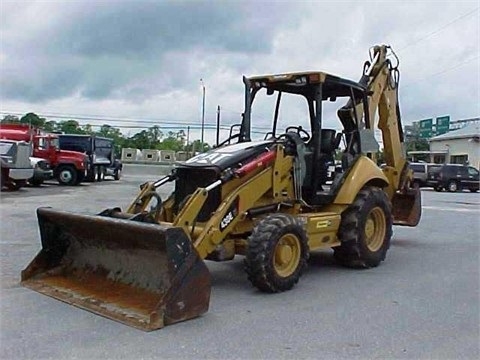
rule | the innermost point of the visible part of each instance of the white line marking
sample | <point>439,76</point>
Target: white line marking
<point>476,209</point>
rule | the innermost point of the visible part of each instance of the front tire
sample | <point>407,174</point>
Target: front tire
<point>35,182</point>
<point>91,174</point>
<point>365,230</point>
<point>16,185</point>
<point>277,253</point>
<point>67,175</point>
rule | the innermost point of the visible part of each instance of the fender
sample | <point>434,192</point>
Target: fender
<point>77,159</point>
<point>363,171</point>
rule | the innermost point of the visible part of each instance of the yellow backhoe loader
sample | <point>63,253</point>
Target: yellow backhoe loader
<point>271,200</point>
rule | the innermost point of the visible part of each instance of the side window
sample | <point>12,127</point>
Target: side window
<point>472,171</point>
<point>42,144</point>
<point>462,171</point>
<point>451,171</point>
<point>417,168</point>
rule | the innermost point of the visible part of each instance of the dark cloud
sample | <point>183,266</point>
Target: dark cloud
<point>146,58</point>
<point>103,49</point>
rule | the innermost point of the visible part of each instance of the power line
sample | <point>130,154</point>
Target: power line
<point>96,118</point>
<point>439,29</point>
<point>443,71</point>
<point>163,125</point>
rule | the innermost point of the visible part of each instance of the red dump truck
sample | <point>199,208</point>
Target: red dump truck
<point>69,167</point>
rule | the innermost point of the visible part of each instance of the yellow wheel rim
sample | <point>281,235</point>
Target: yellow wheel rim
<point>375,229</point>
<point>287,255</point>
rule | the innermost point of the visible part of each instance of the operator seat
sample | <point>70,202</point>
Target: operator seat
<point>329,142</point>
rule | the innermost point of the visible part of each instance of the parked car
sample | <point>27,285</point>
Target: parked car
<point>15,164</point>
<point>454,177</point>
<point>420,172</point>
<point>41,171</point>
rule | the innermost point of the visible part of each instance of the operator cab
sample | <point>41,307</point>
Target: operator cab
<point>316,148</point>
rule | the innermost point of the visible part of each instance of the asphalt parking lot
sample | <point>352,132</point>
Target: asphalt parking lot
<point>422,302</point>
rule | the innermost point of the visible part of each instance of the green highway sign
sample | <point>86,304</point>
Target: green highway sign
<point>425,127</point>
<point>443,125</point>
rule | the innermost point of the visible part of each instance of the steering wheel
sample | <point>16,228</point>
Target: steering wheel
<point>300,131</point>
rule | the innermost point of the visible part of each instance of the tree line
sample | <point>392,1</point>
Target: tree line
<point>150,138</point>
<point>153,137</point>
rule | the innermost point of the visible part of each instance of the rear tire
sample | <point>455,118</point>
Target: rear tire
<point>452,186</point>
<point>365,230</point>
<point>117,174</point>
<point>277,253</point>
<point>437,188</point>
<point>473,190</point>
<point>100,174</point>
<point>67,175</point>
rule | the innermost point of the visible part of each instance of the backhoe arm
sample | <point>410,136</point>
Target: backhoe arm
<point>381,79</point>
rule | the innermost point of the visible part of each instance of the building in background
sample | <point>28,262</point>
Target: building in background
<point>460,146</point>
<point>443,141</point>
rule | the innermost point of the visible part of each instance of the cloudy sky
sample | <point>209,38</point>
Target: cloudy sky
<point>119,61</point>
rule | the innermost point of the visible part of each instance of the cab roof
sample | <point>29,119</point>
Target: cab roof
<point>301,82</point>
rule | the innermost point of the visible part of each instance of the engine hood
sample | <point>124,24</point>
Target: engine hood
<point>227,156</point>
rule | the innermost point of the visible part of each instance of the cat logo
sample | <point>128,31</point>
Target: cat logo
<point>323,224</point>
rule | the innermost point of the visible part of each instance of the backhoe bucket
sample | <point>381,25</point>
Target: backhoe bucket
<point>407,207</point>
<point>144,275</point>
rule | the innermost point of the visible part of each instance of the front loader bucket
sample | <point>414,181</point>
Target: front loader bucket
<point>407,207</point>
<point>144,275</point>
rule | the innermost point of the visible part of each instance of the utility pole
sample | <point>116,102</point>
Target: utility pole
<point>203,113</point>
<point>188,138</point>
<point>218,125</point>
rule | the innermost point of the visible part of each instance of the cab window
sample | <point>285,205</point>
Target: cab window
<point>42,144</point>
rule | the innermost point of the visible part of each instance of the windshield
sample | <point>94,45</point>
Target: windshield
<point>54,142</point>
<point>5,148</point>
<point>292,111</point>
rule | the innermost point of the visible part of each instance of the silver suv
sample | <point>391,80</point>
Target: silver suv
<point>420,172</point>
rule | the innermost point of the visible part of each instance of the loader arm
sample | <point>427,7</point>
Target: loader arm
<point>273,180</point>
